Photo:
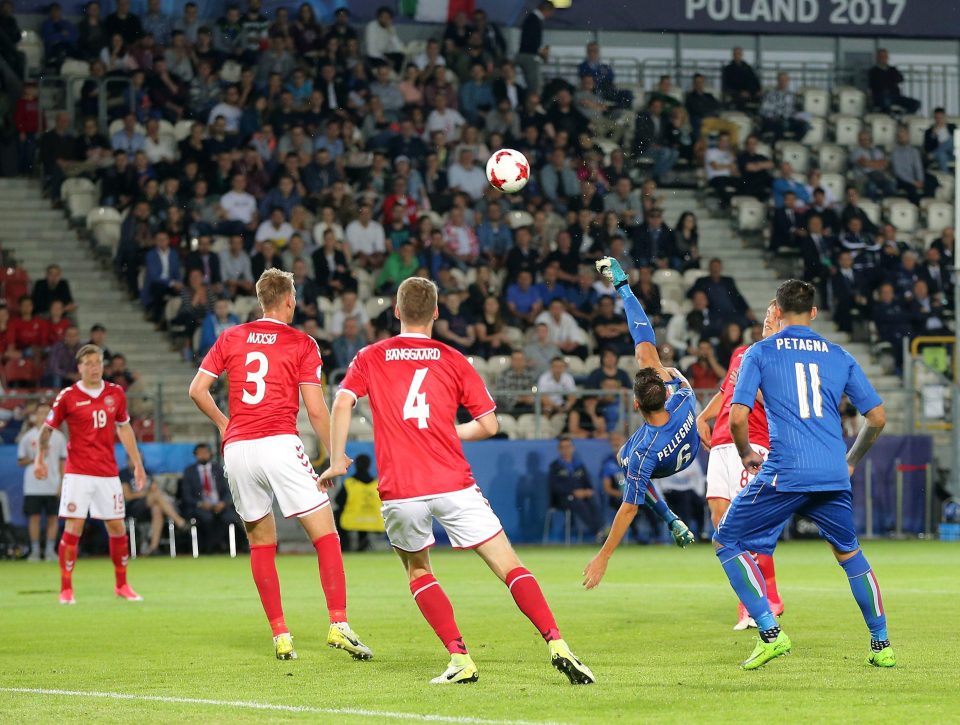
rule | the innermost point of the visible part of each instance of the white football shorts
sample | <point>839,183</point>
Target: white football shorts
<point>726,476</point>
<point>99,496</point>
<point>257,470</point>
<point>465,515</point>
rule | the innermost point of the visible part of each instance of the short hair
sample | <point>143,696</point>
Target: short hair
<point>649,390</point>
<point>273,287</point>
<point>417,300</point>
<point>201,445</point>
<point>796,297</point>
<point>87,350</point>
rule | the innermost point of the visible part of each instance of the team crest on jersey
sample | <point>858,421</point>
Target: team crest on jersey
<point>71,507</point>
<point>110,402</point>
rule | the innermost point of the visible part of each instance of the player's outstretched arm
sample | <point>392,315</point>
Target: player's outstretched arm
<point>597,567</point>
<point>200,395</point>
<point>129,440</point>
<point>318,413</point>
<point>479,429</point>
<point>876,420</point>
<point>339,428</point>
<point>709,413</point>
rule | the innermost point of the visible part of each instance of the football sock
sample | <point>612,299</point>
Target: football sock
<point>766,567</point>
<point>747,582</point>
<point>768,635</point>
<point>437,610</point>
<point>654,500</point>
<point>332,578</point>
<point>119,552</point>
<point>640,328</point>
<point>68,558</point>
<point>866,591</point>
<point>529,598</point>
<point>263,564</point>
<point>35,546</point>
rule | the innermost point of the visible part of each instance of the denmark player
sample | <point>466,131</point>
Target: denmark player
<point>415,385</point>
<point>270,365</point>
<point>95,412</point>
<point>726,476</point>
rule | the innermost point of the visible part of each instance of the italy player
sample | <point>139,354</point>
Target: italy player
<point>415,385</point>
<point>665,444</point>
<point>270,366</point>
<point>802,377</point>
<point>95,412</point>
<point>726,476</point>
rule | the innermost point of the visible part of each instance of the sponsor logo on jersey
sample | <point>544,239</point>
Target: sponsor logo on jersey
<point>83,402</point>
<point>261,338</point>
<point>416,354</point>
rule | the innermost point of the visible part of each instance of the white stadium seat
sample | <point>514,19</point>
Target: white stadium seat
<point>817,133</point>
<point>508,425</point>
<point>832,159</point>
<point>904,216</point>
<point>795,153</point>
<point>742,121</point>
<point>883,129</point>
<point>80,196</point>
<point>816,102</point>
<point>918,126</point>
<point>751,216</point>
<point>32,47</point>
<point>939,215</point>
<point>846,130</point>
<point>104,224</point>
<point>851,101</point>
<point>872,210</point>
<point>835,183</point>
<point>376,305</point>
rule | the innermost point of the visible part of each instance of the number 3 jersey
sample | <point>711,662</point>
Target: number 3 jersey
<point>415,386</point>
<point>266,362</point>
<point>92,417</point>
<point>802,377</point>
<point>660,451</point>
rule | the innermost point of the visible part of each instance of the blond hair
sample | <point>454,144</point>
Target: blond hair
<point>417,300</point>
<point>273,287</point>
<point>88,350</point>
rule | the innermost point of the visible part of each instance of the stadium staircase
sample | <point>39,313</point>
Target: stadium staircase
<point>757,282</point>
<point>38,235</point>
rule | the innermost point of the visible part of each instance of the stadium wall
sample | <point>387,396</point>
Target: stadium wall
<point>513,477</point>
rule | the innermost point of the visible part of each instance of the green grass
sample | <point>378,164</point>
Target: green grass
<point>657,633</point>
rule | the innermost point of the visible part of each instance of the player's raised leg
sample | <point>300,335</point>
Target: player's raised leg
<point>321,529</point>
<point>523,586</point>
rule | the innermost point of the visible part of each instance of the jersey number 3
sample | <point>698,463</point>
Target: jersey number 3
<point>812,396</point>
<point>415,406</point>
<point>256,377</point>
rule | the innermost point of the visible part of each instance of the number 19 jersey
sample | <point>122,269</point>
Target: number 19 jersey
<point>266,362</point>
<point>415,386</point>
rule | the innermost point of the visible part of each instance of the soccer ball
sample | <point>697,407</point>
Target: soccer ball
<point>508,171</point>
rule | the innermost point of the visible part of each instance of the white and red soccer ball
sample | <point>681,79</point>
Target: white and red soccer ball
<point>508,171</point>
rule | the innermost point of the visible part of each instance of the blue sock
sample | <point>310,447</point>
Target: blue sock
<point>654,500</point>
<point>640,328</point>
<point>866,591</point>
<point>748,583</point>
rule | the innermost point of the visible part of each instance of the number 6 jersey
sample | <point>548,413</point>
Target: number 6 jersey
<point>266,362</point>
<point>415,386</point>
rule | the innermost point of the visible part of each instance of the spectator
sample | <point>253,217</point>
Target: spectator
<point>938,277</point>
<point>540,351</point>
<point>610,328</point>
<point>571,489</point>
<point>821,207</point>
<point>274,229</point>
<point>453,326</point>
<point>894,321</point>
<point>653,242</point>
<point>347,345</point>
<point>57,322</point>
<point>847,292</point>
<point>524,300</point>
<point>152,504</point>
<point>603,77</point>
<point>91,36</point>
<point>518,377</point>
<point>558,181</point>
<point>123,23</point>
<point>522,257</point>
<point>98,337</point>
<point>506,88</point>
<point>400,265</point>
<point>494,236</point>
<point>608,370</point>
<point>700,104</point>
<point>28,333</point>
<point>945,245</point>
<point>817,249</point>
<point>730,339</point>
<point>532,52</point>
<point>787,224</point>
<point>235,269</point>
<point>706,372</point>
<point>853,209</point>
<point>784,183</point>
<point>466,176</point>
<point>331,266</point>
<point>755,170</point>
<point>927,310</point>
<point>938,140</point>
<point>490,330</point>
<point>563,330</point>
<point>476,95</point>
<point>196,303</point>
<point>366,239</point>
<point>684,493</point>
<point>907,168</point>
<point>686,241</point>
<point>52,287</point>
<point>215,323</point>
<point>726,302</point>
<point>885,82</point>
<point>350,308</point>
<point>739,83</point>
<point>266,258</point>
<point>871,169</point>
<point>778,112</point>
<point>625,201</point>
<point>26,118</point>
<point>162,279</point>
<point>381,41</point>
<point>206,498</point>
<point>41,497</point>
<point>59,37</point>
<point>238,209</point>
<point>650,139</point>
<point>57,154</point>
<point>721,168</point>
<point>61,367</point>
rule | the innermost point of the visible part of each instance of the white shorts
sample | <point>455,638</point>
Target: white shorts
<point>465,516</point>
<point>99,496</point>
<point>257,470</point>
<point>726,476</point>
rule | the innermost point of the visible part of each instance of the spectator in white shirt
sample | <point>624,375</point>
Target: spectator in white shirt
<point>350,308</point>
<point>564,332</point>
<point>158,150</point>
<point>328,220</point>
<point>235,269</point>
<point>443,118</point>
<point>228,108</point>
<point>366,239</point>
<point>557,386</point>
<point>238,209</point>
<point>276,229</point>
<point>460,240</point>
<point>466,176</point>
<point>721,168</point>
<point>429,59</point>
<point>381,40</point>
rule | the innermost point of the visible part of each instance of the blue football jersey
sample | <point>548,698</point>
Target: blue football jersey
<point>802,377</point>
<point>660,451</point>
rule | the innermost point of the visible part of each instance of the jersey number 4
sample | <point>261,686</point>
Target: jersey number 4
<point>809,395</point>
<point>415,407</point>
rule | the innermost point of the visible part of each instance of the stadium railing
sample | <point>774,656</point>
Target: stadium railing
<point>62,93</point>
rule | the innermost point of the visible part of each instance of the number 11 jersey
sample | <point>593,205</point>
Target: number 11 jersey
<point>266,362</point>
<point>415,386</point>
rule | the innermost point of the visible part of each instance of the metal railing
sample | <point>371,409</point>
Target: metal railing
<point>62,93</point>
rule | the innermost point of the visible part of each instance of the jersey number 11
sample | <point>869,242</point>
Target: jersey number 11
<point>808,395</point>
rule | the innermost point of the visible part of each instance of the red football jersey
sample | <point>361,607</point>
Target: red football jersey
<point>757,422</point>
<point>34,332</point>
<point>92,426</point>
<point>266,362</point>
<point>415,386</point>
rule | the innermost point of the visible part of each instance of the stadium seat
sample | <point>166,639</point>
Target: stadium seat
<point>850,101</point>
<point>669,306</point>
<point>32,47</point>
<point>514,337</point>
<point>691,276</point>
<point>244,306</point>
<point>743,122</point>
<point>939,215</point>
<point>888,203</point>
<point>926,237</point>
<point>846,130</point>
<point>832,160</point>
<point>527,426</point>
<point>230,72</point>
<point>182,129</point>
<point>816,102</point>
<point>497,365</point>
<point>104,224</point>
<point>945,187</point>
<point>591,363</point>
<point>21,373</point>
<point>883,129</point>
<point>872,210</point>
<point>904,216</point>
<point>81,196</point>
<point>751,216</point>
<point>361,428</point>
<point>627,362</point>
<point>918,126</point>
<point>553,427</point>
<point>835,183</point>
<point>765,149</point>
<point>508,425</point>
<point>817,133</point>
<point>376,305</point>
<point>575,365</point>
<point>117,125</point>
<point>517,219</point>
<point>73,68</point>
<point>796,154</point>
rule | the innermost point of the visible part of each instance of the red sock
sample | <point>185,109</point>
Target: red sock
<point>68,558</point>
<point>437,610</point>
<point>263,564</point>
<point>332,578</point>
<point>529,598</point>
<point>765,564</point>
<point>119,553</point>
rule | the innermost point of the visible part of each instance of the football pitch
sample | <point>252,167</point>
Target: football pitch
<point>657,633</point>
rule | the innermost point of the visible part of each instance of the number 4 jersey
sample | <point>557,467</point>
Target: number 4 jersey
<point>415,386</point>
<point>803,377</point>
<point>266,362</point>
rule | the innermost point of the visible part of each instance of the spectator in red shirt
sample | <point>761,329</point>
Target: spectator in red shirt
<point>58,321</point>
<point>7,351</point>
<point>26,118</point>
<point>706,373</point>
<point>30,334</point>
<point>400,198</point>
